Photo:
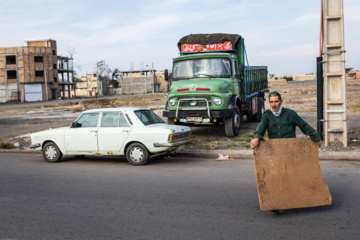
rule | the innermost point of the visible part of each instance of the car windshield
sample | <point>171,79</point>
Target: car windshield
<point>202,68</point>
<point>148,117</point>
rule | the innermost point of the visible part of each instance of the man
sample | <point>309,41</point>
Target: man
<point>281,122</point>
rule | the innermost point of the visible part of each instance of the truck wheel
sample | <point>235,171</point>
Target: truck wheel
<point>170,121</point>
<point>250,117</point>
<point>137,154</point>
<point>232,124</point>
<point>261,109</point>
<point>51,152</point>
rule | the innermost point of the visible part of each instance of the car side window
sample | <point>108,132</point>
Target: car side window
<point>123,122</point>
<point>110,119</point>
<point>88,120</point>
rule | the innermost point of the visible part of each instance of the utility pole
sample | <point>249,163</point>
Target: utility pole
<point>17,75</point>
<point>152,71</point>
<point>335,127</point>
<point>99,66</point>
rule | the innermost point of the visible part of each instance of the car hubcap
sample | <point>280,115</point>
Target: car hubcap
<point>50,152</point>
<point>136,154</point>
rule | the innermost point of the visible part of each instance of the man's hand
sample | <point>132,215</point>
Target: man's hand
<point>318,144</point>
<point>254,143</point>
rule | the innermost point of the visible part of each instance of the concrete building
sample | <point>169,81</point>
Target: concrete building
<point>309,76</point>
<point>30,73</point>
<point>163,85</point>
<point>85,86</point>
<point>355,74</point>
<point>138,81</point>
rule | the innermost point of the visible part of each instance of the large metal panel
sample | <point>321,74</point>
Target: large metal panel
<point>288,174</point>
<point>33,92</point>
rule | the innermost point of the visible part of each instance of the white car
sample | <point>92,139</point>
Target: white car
<point>136,133</point>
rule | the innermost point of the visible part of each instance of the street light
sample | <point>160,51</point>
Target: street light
<point>46,88</point>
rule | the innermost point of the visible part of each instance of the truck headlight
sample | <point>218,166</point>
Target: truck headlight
<point>172,102</point>
<point>217,101</point>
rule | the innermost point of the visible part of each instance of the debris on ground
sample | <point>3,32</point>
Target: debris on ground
<point>224,157</point>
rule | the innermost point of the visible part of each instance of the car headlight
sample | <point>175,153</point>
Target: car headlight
<point>172,102</point>
<point>217,101</point>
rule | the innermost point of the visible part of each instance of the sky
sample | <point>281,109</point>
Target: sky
<point>282,34</point>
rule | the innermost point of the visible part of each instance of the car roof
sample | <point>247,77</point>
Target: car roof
<point>123,109</point>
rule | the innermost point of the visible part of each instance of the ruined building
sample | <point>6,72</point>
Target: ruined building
<point>34,72</point>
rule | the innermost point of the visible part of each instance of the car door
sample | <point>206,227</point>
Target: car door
<point>83,138</point>
<point>112,133</point>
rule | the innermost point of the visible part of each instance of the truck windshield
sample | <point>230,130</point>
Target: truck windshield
<point>202,68</point>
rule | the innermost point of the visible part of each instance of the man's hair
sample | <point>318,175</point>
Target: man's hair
<point>275,94</point>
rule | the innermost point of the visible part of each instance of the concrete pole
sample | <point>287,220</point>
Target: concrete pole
<point>46,87</point>
<point>17,75</point>
<point>335,127</point>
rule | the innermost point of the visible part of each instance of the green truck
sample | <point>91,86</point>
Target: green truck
<point>210,83</point>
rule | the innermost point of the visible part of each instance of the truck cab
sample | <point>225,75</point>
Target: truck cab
<point>209,84</point>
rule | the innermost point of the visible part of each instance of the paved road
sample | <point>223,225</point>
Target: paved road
<point>174,198</point>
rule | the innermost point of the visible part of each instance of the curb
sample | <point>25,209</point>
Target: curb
<point>248,154</point>
<point>236,154</point>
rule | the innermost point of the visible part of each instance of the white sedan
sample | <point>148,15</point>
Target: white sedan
<point>136,133</point>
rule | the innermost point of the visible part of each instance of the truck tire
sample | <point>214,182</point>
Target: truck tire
<point>232,124</point>
<point>170,121</point>
<point>250,117</point>
<point>261,109</point>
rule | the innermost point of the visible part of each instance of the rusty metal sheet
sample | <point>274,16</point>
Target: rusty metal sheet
<point>288,174</point>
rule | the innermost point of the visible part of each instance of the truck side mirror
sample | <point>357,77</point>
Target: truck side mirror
<point>166,75</point>
<point>241,70</point>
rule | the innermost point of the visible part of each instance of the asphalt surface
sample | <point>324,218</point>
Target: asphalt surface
<point>173,198</point>
<point>214,154</point>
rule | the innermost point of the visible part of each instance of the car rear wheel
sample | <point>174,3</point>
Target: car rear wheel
<point>51,152</point>
<point>137,154</point>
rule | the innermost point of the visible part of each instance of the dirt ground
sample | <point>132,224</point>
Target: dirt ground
<point>18,120</point>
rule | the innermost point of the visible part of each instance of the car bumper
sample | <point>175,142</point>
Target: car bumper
<point>173,144</point>
<point>36,145</point>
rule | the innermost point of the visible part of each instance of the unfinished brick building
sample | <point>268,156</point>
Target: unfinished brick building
<point>31,73</point>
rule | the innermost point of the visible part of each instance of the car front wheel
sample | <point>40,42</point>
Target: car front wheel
<point>51,152</point>
<point>137,154</point>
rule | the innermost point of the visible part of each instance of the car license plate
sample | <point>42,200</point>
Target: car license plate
<point>194,119</point>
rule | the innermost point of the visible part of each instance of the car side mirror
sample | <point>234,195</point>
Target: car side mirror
<point>76,125</point>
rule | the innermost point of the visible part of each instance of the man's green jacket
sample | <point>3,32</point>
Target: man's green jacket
<point>284,126</point>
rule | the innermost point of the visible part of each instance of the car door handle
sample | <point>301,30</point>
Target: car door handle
<point>125,131</point>
<point>95,131</point>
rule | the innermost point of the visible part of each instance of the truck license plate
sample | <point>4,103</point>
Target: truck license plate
<point>194,119</point>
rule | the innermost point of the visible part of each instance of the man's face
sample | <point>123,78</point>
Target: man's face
<point>275,103</point>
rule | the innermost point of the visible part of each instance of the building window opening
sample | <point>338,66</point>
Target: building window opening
<point>11,74</point>
<point>39,73</point>
<point>10,59</point>
<point>54,67</point>
<point>39,59</point>
<point>55,79</point>
<point>54,52</point>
